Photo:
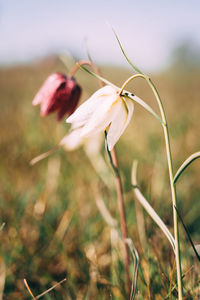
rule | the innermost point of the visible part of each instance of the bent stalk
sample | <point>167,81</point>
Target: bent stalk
<point>171,176</point>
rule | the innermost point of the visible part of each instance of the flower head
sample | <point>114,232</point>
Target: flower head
<point>58,93</point>
<point>105,109</point>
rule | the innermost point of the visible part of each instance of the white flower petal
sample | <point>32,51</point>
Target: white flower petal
<point>83,113</point>
<point>72,141</point>
<point>103,108</point>
<point>93,144</point>
<point>103,116</point>
<point>120,122</point>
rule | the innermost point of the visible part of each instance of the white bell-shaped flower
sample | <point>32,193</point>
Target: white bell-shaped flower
<point>105,109</point>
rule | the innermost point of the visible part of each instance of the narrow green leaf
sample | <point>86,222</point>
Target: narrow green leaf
<point>136,261</point>
<point>98,76</point>
<point>149,208</point>
<point>188,234</point>
<point>125,55</point>
<point>186,163</point>
<point>143,104</point>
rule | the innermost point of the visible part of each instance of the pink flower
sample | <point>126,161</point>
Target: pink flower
<point>58,93</point>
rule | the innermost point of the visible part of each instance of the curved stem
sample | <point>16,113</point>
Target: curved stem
<point>170,167</point>
<point>82,63</point>
<point>172,185</point>
<point>137,99</point>
<point>150,83</point>
<point>186,163</point>
<point>129,80</point>
<point>171,176</point>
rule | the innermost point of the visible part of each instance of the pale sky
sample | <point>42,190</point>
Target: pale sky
<point>149,30</point>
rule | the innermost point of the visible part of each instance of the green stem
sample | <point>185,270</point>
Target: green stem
<point>169,160</point>
<point>173,188</point>
<point>171,176</point>
<point>175,216</point>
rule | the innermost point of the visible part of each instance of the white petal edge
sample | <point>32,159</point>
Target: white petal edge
<point>72,141</point>
<point>84,111</point>
<point>120,123</point>
<point>103,116</point>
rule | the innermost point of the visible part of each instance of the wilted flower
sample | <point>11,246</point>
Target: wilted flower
<point>58,93</point>
<point>105,109</point>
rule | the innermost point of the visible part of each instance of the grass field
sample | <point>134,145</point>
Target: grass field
<point>53,228</point>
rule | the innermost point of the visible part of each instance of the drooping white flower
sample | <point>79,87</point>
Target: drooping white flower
<point>105,109</point>
<point>72,140</point>
<point>92,147</point>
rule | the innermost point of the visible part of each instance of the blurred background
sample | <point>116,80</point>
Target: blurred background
<point>51,228</point>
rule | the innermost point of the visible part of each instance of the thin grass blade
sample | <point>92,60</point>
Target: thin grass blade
<point>149,208</point>
<point>186,163</point>
<point>136,261</point>
<point>188,235</point>
<point>125,55</point>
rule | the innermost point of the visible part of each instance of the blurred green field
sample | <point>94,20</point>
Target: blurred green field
<point>53,228</point>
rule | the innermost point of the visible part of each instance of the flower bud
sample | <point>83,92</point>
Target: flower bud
<point>58,93</point>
